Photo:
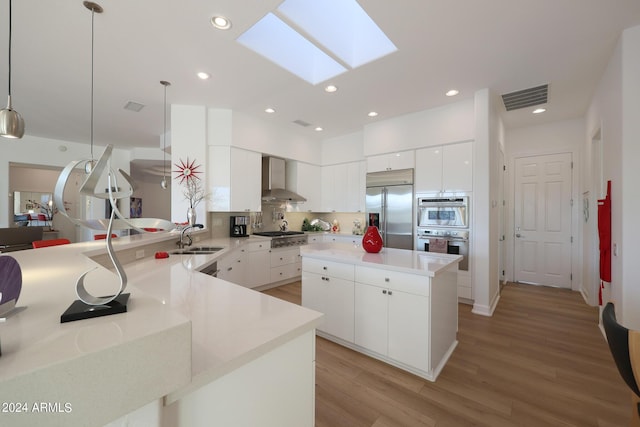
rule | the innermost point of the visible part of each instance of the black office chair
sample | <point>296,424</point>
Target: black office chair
<point>618,339</point>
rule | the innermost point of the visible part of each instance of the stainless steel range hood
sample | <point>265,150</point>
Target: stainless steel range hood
<point>273,182</point>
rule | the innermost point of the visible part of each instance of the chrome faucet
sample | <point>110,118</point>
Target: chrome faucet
<point>181,244</point>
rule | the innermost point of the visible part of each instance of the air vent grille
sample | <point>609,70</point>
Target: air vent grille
<point>525,98</point>
<point>133,106</point>
<point>302,123</point>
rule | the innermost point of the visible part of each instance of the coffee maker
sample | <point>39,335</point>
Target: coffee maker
<point>238,226</point>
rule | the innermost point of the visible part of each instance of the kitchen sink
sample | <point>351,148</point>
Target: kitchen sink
<point>198,250</point>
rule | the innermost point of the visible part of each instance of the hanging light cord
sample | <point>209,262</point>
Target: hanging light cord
<point>164,135</point>
<point>92,16</point>
<point>9,50</point>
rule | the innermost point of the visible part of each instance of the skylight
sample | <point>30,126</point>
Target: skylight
<point>275,40</point>
<point>341,26</point>
<point>342,34</point>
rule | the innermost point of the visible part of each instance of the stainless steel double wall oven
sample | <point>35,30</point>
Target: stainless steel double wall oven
<point>441,220</point>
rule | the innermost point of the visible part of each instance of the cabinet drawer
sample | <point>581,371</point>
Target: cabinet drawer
<point>282,257</point>
<point>284,272</point>
<point>328,268</point>
<point>259,246</point>
<point>405,282</point>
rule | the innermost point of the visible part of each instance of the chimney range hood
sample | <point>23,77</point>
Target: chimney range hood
<point>273,182</point>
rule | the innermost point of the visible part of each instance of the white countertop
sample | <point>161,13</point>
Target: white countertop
<point>415,262</point>
<point>230,325</point>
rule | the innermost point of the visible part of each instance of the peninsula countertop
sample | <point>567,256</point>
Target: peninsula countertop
<point>202,326</point>
<point>416,262</point>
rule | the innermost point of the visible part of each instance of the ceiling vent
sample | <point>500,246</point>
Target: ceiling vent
<point>133,106</point>
<point>525,98</point>
<point>302,123</point>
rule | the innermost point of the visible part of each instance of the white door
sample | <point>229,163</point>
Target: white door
<point>340,307</point>
<point>408,321</point>
<point>543,220</point>
<point>371,327</point>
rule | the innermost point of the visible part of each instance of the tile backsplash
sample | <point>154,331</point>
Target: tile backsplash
<point>271,220</point>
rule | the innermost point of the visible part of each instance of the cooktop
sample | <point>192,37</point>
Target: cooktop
<point>277,233</point>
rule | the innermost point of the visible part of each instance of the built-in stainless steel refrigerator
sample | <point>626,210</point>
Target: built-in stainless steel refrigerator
<point>389,206</point>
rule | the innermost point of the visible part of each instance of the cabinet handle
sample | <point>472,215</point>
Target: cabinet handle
<point>280,258</point>
<point>384,291</point>
<point>324,268</point>
<point>386,279</point>
<point>390,293</point>
<point>230,268</point>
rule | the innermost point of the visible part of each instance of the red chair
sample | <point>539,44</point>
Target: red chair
<point>43,218</point>
<point>103,236</point>
<point>52,242</point>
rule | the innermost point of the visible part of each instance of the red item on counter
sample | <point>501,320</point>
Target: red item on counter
<point>372,241</point>
<point>160,255</point>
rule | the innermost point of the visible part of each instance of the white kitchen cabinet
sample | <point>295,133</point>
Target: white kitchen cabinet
<point>447,168</point>
<point>315,238</point>
<point>231,267</point>
<point>334,188</point>
<point>258,256</point>
<point>233,183</point>
<point>457,173</point>
<point>391,161</point>
<point>393,323</point>
<point>285,264</point>
<point>304,179</point>
<point>371,318</point>
<point>328,287</point>
<point>343,187</point>
<point>403,318</point>
<point>356,187</point>
<point>343,238</point>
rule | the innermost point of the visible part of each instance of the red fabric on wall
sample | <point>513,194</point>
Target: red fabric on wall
<point>604,233</point>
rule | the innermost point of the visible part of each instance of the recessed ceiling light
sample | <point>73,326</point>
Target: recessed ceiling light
<point>452,92</point>
<point>372,114</point>
<point>318,129</point>
<point>220,22</point>
<point>539,110</point>
<point>269,110</point>
<point>331,88</point>
<point>202,75</point>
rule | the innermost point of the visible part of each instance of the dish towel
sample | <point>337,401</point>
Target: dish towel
<point>438,245</point>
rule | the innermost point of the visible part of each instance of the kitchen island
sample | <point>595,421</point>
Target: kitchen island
<point>191,350</point>
<point>398,306</point>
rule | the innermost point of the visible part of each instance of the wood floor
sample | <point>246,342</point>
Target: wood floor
<point>539,361</point>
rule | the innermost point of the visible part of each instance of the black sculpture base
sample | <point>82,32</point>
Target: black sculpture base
<point>78,310</point>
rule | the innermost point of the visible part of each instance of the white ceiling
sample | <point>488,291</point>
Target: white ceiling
<point>504,45</point>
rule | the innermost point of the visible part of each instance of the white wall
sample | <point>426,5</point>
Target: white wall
<point>263,136</point>
<point>614,111</point>
<point>36,151</point>
<point>549,138</point>
<point>629,250</point>
<point>484,246</point>
<point>189,136</point>
<point>443,125</point>
<point>342,149</point>
<point>156,202</point>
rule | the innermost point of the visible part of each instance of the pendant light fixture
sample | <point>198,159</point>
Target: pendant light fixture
<point>94,8</point>
<point>163,183</point>
<point>11,122</point>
